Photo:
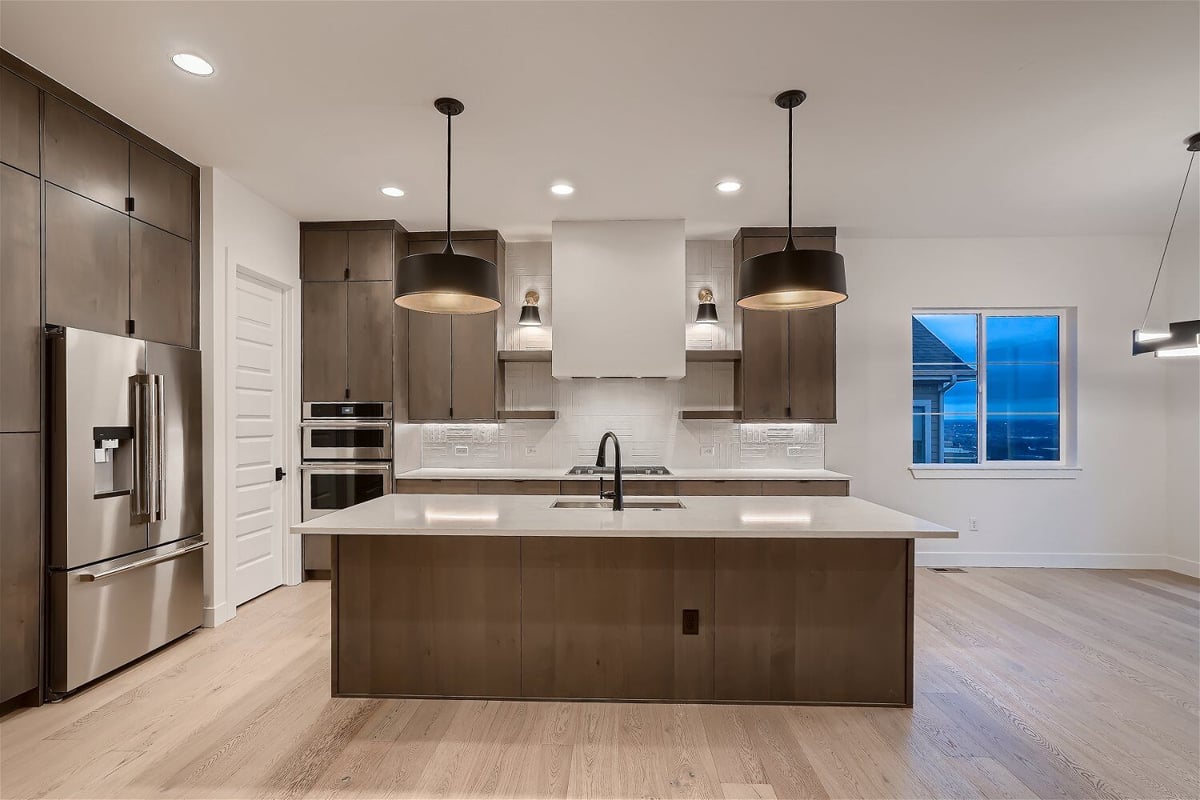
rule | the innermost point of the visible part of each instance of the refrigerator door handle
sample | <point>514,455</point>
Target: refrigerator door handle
<point>158,425</point>
<point>142,449</point>
<point>88,577</point>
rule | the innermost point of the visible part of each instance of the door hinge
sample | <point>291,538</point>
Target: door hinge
<point>129,327</point>
<point>128,205</point>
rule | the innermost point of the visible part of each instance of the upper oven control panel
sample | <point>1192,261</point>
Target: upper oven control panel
<point>351,411</point>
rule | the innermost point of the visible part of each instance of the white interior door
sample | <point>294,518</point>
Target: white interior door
<point>258,430</point>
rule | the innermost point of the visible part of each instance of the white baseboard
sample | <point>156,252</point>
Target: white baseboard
<point>217,615</point>
<point>1183,566</point>
<point>1060,560</point>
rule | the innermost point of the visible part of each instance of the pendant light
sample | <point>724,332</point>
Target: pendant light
<point>1180,338</point>
<point>447,282</point>
<point>791,278</point>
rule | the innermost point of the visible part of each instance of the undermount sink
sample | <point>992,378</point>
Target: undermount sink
<point>630,505</point>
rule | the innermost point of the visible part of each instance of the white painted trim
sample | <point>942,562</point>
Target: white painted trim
<point>216,615</point>
<point>1183,566</point>
<point>993,472</point>
<point>1059,560</point>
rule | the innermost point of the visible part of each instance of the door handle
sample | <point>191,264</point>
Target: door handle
<point>279,473</point>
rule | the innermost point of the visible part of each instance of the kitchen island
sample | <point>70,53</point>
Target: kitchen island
<point>728,599</point>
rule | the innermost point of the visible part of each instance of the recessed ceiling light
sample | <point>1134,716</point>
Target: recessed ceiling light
<point>729,186</point>
<point>193,64</point>
<point>392,191</point>
<point>562,189</point>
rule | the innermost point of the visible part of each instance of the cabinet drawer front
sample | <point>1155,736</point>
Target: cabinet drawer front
<point>584,487</point>
<point>435,486</point>
<point>518,487</point>
<point>720,488</point>
<point>649,488</point>
<point>84,156</point>
<point>806,488</point>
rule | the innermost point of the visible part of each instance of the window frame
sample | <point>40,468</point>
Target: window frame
<point>1067,463</point>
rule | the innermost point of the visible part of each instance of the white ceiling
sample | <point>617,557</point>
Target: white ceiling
<point>923,119</point>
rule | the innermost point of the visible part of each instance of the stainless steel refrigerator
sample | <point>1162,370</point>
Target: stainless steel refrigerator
<point>125,501</point>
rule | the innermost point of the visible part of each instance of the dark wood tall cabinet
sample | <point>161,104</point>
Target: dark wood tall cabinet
<point>789,359</point>
<point>347,308</point>
<point>99,225</point>
<point>452,358</point>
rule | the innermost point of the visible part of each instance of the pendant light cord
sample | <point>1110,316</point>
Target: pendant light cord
<point>790,244</point>
<point>1163,260</point>
<point>449,247</point>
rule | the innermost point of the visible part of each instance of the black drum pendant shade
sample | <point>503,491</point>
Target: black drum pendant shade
<point>790,278</point>
<point>447,282</point>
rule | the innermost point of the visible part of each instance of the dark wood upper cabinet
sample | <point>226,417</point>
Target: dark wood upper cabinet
<point>87,263</point>
<point>369,350</point>
<point>370,255</point>
<point>788,358</point>
<point>324,255</point>
<point>161,192</point>
<point>84,156</point>
<point>19,146</point>
<point>325,351</point>
<point>20,300</point>
<point>452,357</point>
<point>160,286</point>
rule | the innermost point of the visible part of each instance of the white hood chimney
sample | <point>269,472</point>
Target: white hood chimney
<point>619,299</point>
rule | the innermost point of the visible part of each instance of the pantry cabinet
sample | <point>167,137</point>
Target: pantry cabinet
<point>789,358</point>
<point>348,309</point>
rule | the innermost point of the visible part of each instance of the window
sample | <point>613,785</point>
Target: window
<point>988,387</point>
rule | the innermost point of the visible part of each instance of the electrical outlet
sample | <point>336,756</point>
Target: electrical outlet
<point>795,452</point>
<point>972,524</point>
<point>530,451</point>
<point>709,450</point>
<point>461,450</point>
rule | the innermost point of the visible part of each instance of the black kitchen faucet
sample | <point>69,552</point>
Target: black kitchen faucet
<point>618,492</point>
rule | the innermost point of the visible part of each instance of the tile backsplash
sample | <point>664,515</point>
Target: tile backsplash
<point>644,413</point>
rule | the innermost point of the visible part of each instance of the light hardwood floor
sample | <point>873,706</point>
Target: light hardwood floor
<point>1030,683</point>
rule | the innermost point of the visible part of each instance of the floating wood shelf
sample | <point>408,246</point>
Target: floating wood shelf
<point>714,355</point>
<point>719,413</point>
<point>512,414</point>
<point>524,355</point>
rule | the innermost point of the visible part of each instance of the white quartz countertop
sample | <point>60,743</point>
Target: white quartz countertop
<point>560,474</point>
<point>701,517</point>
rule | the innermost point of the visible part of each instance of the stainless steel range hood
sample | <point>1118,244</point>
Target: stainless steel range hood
<point>619,299</point>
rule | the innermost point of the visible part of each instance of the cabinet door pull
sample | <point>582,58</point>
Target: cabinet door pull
<point>347,393</point>
<point>128,205</point>
<point>129,327</point>
<point>346,274</point>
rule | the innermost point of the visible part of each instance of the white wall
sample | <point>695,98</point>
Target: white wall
<point>1181,276</point>
<point>1113,513</point>
<point>239,228</point>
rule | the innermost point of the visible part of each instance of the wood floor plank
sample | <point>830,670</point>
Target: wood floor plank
<point>1029,683</point>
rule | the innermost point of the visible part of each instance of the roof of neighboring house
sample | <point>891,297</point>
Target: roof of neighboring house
<point>932,358</point>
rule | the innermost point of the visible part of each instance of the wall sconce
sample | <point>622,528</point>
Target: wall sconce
<point>530,316</point>
<point>707,312</point>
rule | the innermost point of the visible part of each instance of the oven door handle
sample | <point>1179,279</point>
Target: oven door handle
<point>346,423</point>
<point>334,466</point>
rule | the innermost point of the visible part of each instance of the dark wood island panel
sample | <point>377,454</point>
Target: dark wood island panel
<point>778,620</point>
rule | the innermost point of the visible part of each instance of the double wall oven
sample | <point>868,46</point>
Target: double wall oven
<point>346,458</point>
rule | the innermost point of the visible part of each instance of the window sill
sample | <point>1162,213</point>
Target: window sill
<point>993,472</point>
